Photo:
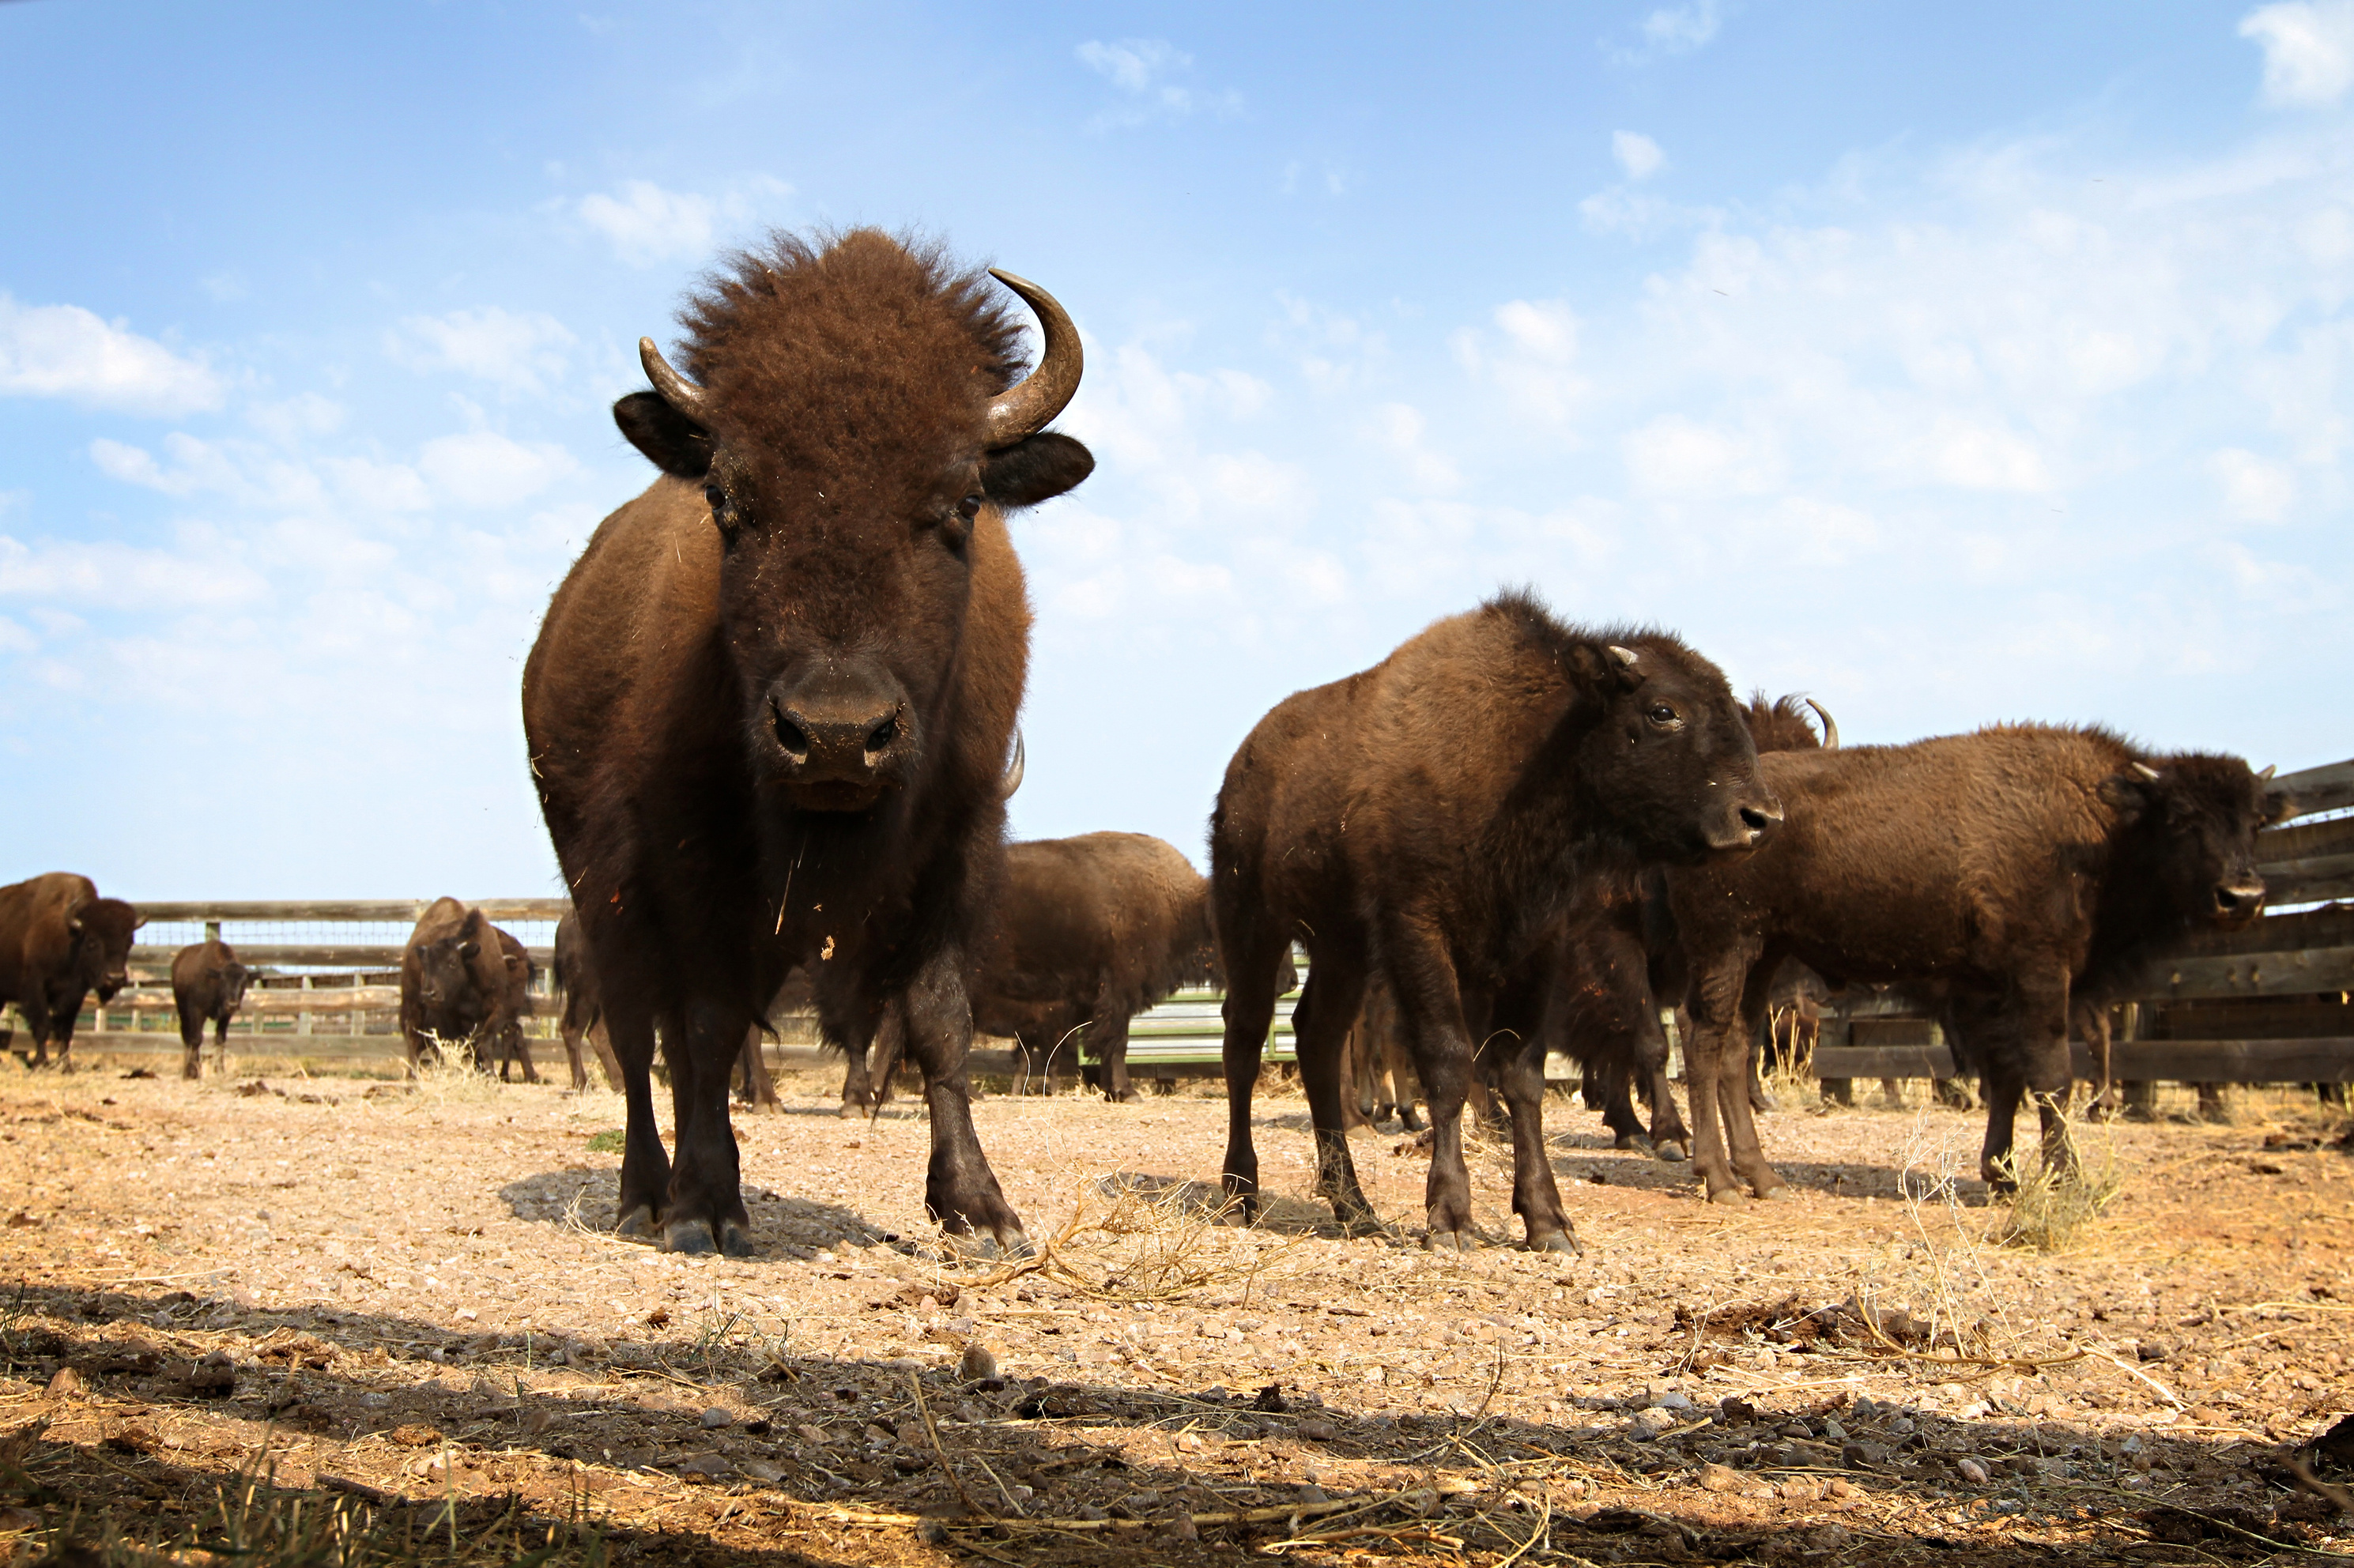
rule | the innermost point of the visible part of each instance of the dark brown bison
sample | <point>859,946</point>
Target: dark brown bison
<point>464,983</point>
<point>2012,869</point>
<point>59,941</point>
<point>1429,816</point>
<point>1619,959</point>
<point>769,709</point>
<point>583,1018</point>
<point>207,987</point>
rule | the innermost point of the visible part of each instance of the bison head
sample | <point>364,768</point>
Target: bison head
<point>445,964</point>
<point>101,931</point>
<point>1670,767</point>
<point>859,427</point>
<point>234,978</point>
<point>2186,836</point>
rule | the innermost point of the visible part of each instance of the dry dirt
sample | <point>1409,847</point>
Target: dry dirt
<point>394,1305</point>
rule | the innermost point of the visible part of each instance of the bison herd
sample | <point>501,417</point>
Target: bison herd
<point>770,718</point>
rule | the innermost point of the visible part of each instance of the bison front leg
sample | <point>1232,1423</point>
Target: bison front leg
<point>1252,960</point>
<point>1422,977</point>
<point>857,1085</point>
<point>1536,1197</point>
<point>704,1208</point>
<point>1319,1024</point>
<point>961,1191</point>
<point>1671,1139</point>
<point>1108,1034</point>
<point>192,1045</point>
<point>645,1165</point>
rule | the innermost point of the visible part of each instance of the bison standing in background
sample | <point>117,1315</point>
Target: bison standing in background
<point>59,941</point>
<point>583,1016</point>
<point>207,987</point>
<point>1429,817</point>
<point>2015,868</point>
<point>464,981</point>
<point>770,707</point>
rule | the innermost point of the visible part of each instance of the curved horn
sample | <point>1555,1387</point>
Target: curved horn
<point>1624,655</point>
<point>1015,767</point>
<point>2145,771</point>
<point>2266,776</point>
<point>1024,410</point>
<point>676,390</point>
<point>1831,724</point>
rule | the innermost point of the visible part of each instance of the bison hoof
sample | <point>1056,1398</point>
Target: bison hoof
<point>1009,1244</point>
<point>1557,1241</point>
<point>1780,1192</point>
<point>1451,1240</point>
<point>1731,1197</point>
<point>735,1240</point>
<point>1669,1151</point>
<point>851,1110</point>
<point>690,1236</point>
<point>638,1223</point>
<point>1633,1140</point>
<point>1761,1100</point>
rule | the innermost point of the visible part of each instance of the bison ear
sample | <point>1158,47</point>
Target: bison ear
<point>672,442</point>
<point>2128,794</point>
<point>469,949</point>
<point>1035,469</point>
<point>2278,807</point>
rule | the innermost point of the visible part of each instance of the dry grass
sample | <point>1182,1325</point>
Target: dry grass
<point>2056,1207</point>
<point>1136,1238</point>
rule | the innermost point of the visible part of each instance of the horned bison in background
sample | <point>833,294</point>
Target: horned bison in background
<point>59,941</point>
<point>1429,817</point>
<point>2015,869</point>
<point>207,987</point>
<point>466,983</point>
<point>772,703</point>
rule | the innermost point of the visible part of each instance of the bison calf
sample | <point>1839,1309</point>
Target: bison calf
<point>207,987</point>
<point>1425,819</point>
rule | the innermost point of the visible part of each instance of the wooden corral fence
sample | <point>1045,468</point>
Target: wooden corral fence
<point>2266,1004</point>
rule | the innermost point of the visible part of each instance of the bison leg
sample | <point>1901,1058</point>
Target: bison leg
<point>1423,979</point>
<point>645,1166</point>
<point>704,1210</point>
<point>1252,968</point>
<point>220,1043</point>
<point>1716,987</point>
<point>961,1191</point>
<point>1735,1069</point>
<point>1319,1026</point>
<point>1671,1140</point>
<point>1519,1069</point>
<point>192,1044</point>
<point>520,1045</point>
<point>569,1030</point>
<point>758,1088</point>
<point>1108,1034</point>
<point>1761,1098</point>
<point>857,1084</point>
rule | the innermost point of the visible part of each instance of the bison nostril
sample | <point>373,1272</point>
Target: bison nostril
<point>884,734</point>
<point>791,736</point>
<point>1754,820</point>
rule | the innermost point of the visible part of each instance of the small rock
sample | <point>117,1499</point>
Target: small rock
<point>977,1364</point>
<point>1092,1513</point>
<point>1833,1431</point>
<point>932,1532</point>
<point>760,1470</point>
<point>1139,1503</point>
<point>2151,1351</point>
<point>1673,1401</point>
<point>1184,1528</point>
<point>1312,1493</point>
<point>1189,1442</point>
<point>813,1432</point>
<point>1316,1431</point>
<point>1840,1487</point>
<point>1973,1472</point>
<point>66,1381</point>
<point>717,1417</point>
<point>710,1465</point>
<point>1863,1455</point>
<point>1723,1478</point>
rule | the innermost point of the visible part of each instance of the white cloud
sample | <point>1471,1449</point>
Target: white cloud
<point>1404,430</point>
<point>2256,490</point>
<point>1672,30</point>
<point>65,352</point>
<point>1140,69</point>
<point>115,576</point>
<point>1674,456</point>
<point>1637,154</point>
<point>484,469</point>
<point>2308,50</point>
<point>519,353</point>
<point>1535,367</point>
<point>648,224</point>
<point>1984,457</point>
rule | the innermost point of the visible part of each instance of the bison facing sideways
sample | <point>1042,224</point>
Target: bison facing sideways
<point>2012,869</point>
<point>207,987</point>
<point>583,1019</point>
<point>1429,817</point>
<point>464,981</point>
<point>770,707</point>
<point>59,941</point>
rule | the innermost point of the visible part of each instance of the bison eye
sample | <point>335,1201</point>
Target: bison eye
<point>970,507</point>
<point>1661,715</point>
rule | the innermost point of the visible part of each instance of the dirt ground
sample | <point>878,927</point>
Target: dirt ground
<point>393,1307</point>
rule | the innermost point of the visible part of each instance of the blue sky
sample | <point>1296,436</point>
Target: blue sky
<point>1951,364</point>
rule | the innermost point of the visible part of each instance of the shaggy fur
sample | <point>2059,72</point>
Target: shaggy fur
<point>2012,868</point>
<point>462,979</point>
<point>207,987</point>
<point>834,525</point>
<point>1424,817</point>
<point>582,1021</point>
<point>59,942</point>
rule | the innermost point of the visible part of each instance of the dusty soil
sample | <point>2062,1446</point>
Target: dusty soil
<point>395,1305</point>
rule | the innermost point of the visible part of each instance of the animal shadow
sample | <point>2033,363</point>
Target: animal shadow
<point>782,1226</point>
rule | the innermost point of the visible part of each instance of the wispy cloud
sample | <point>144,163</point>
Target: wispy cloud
<point>2308,51</point>
<point>525,353</point>
<point>1672,30</point>
<point>1141,71</point>
<point>67,352</point>
<point>647,224</point>
<point>1637,154</point>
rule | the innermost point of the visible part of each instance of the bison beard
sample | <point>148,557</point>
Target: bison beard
<point>769,709</point>
<point>1424,819</point>
<point>2014,868</point>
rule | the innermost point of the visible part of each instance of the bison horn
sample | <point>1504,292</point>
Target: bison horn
<point>1015,767</point>
<point>2266,776</point>
<point>1831,724</point>
<point>1624,655</point>
<point>2145,771</point>
<point>1022,411</point>
<point>676,390</point>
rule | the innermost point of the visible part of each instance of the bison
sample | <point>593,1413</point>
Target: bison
<point>463,981</point>
<point>59,942</point>
<point>207,987</point>
<point>2012,869</point>
<point>1426,818</point>
<point>769,708</point>
<point>582,1019</point>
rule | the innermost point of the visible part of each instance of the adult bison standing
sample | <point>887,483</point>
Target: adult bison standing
<point>2013,869</point>
<point>1429,816</point>
<point>769,709</point>
<point>59,942</point>
<point>464,980</point>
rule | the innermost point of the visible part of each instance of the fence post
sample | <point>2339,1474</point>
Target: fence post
<point>212,930</point>
<point>303,1019</point>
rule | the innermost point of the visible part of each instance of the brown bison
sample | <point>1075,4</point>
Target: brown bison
<point>583,1018</point>
<point>769,709</point>
<point>59,942</point>
<point>1084,934</point>
<point>2013,869</point>
<point>1427,817</point>
<point>464,982</point>
<point>207,987</point>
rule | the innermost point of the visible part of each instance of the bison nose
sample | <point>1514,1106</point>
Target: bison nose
<point>841,726</point>
<point>2235,900</point>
